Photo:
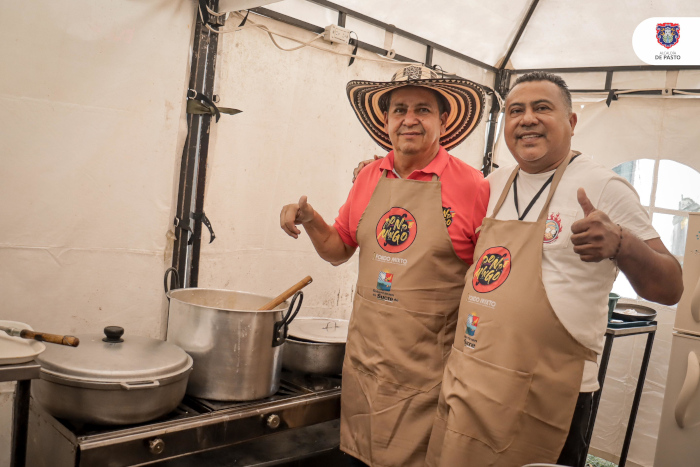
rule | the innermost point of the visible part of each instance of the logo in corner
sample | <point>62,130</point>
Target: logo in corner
<point>396,230</point>
<point>384,280</point>
<point>472,323</point>
<point>492,269</point>
<point>668,34</point>
<point>552,228</point>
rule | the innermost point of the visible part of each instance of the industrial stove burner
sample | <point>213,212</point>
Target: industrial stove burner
<point>196,425</point>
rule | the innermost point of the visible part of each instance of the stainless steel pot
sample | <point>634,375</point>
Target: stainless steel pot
<point>316,345</point>
<point>318,358</point>
<point>236,348</point>
<point>110,380</point>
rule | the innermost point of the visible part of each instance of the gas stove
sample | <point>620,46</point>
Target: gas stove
<point>195,426</point>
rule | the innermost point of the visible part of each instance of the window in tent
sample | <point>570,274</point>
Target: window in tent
<point>669,190</point>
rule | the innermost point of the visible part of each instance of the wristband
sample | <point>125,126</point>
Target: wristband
<point>619,245</point>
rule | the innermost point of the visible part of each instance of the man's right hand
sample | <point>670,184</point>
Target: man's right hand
<point>362,165</point>
<point>295,214</point>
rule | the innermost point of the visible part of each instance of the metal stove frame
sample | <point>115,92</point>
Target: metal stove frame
<point>196,426</point>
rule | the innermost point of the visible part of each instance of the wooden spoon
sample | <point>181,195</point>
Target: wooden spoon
<point>286,294</point>
<point>42,336</point>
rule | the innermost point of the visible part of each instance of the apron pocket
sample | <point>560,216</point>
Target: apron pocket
<point>482,400</point>
<point>396,345</point>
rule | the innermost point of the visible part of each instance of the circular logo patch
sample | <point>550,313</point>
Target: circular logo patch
<point>492,269</point>
<point>551,231</point>
<point>396,230</point>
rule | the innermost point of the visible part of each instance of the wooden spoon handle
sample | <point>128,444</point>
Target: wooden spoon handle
<point>287,293</point>
<point>52,338</point>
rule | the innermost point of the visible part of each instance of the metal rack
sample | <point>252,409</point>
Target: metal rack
<point>632,329</point>
<point>23,373</point>
<point>196,426</point>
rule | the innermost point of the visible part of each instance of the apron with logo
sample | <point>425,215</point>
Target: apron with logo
<point>402,325</point>
<point>513,377</point>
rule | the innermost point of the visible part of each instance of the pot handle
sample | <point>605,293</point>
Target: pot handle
<point>279,334</point>
<point>129,387</point>
<point>165,280</point>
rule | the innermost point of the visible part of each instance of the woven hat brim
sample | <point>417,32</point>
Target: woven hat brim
<point>465,97</point>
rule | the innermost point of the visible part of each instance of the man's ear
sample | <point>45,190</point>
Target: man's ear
<point>443,123</point>
<point>386,122</point>
<point>573,119</point>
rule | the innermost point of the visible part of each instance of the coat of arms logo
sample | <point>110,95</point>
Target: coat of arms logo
<point>668,34</point>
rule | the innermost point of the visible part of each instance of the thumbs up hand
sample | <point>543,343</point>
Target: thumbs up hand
<point>595,237</point>
<point>295,214</point>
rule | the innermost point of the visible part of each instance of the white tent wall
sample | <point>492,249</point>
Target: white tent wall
<point>92,99</point>
<point>297,136</point>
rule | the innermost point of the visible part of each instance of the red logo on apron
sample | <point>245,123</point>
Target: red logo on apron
<point>492,269</point>
<point>396,230</point>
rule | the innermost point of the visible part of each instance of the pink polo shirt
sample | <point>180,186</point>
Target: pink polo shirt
<point>465,197</point>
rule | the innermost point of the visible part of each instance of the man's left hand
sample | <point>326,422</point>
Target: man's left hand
<point>595,237</point>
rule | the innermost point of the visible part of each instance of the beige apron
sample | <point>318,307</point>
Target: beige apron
<point>514,374</point>
<point>402,326</point>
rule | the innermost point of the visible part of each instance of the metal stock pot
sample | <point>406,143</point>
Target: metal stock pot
<point>110,380</point>
<point>236,347</point>
<point>316,346</point>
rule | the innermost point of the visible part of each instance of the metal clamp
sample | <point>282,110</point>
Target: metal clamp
<point>201,216</point>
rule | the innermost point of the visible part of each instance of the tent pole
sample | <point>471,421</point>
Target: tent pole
<point>521,29</point>
<point>190,199</point>
<point>501,85</point>
<point>603,69</point>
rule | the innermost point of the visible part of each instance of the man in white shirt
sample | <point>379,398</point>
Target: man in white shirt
<point>595,226</point>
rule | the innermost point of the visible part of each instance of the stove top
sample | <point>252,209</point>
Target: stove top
<point>196,425</point>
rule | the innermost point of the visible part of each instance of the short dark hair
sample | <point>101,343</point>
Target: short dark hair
<point>443,105</point>
<point>552,78</point>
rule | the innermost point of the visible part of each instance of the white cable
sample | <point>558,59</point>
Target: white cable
<point>213,13</point>
<point>251,24</point>
<point>676,91</point>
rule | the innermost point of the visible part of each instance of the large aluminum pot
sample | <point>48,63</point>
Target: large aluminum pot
<point>110,380</point>
<point>236,348</point>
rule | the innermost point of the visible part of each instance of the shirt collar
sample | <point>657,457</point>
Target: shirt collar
<point>436,166</point>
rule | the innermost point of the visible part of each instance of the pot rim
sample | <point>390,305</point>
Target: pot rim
<point>295,341</point>
<point>281,307</point>
<point>125,384</point>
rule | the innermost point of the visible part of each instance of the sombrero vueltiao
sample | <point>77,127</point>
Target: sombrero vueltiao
<point>466,100</point>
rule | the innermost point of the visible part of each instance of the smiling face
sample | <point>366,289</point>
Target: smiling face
<point>413,122</point>
<point>538,125</point>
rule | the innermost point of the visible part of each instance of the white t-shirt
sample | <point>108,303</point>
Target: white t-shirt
<point>578,291</point>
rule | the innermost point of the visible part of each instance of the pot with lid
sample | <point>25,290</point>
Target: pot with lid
<point>112,378</point>
<point>316,346</point>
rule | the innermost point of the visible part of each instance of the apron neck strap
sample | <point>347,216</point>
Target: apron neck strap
<point>505,191</point>
<point>435,178</point>
<point>384,172</point>
<point>555,182</point>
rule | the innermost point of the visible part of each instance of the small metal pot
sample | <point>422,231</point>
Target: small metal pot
<point>316,346</point>
<point>313,357</point>
<point>108,380</point>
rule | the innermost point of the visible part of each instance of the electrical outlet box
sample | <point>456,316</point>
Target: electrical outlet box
<point>336,34</point>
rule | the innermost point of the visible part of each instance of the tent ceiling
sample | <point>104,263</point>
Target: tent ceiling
<point>559,34</point>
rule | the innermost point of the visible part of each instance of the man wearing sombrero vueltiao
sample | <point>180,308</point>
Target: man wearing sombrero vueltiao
<point>414,215</point>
